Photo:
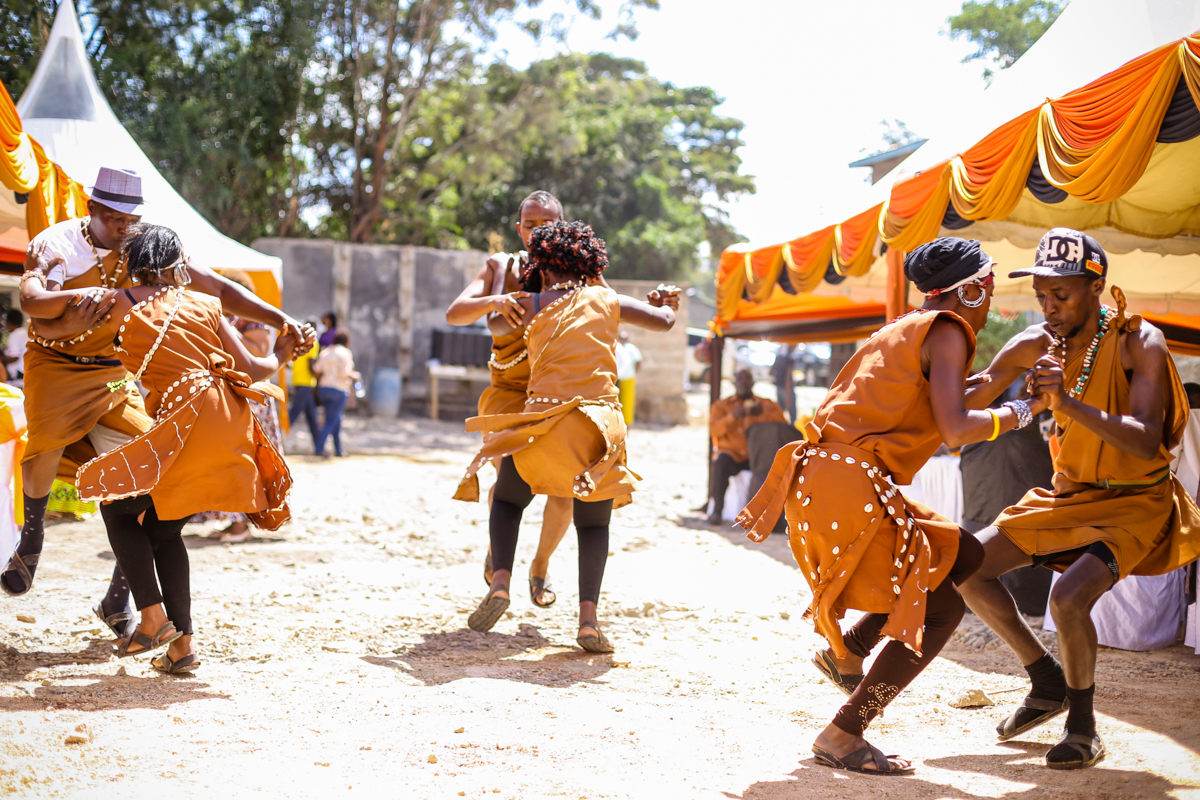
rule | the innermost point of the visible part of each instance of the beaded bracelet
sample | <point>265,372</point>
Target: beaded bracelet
<point>1023,412</point>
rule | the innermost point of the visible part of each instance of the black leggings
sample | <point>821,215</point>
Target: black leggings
<point>897,666</point>
<point>509,501</point>
<point>149,547</point>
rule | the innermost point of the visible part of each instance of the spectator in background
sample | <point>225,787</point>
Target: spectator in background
<point>329,323</point>
<point>629,357</point>
<point>335,373</point>
<point>304,391</point>
<point>785,387</point>
<point>727,423</point>
<point>14,347</point>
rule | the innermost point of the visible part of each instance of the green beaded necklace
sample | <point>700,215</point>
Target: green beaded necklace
<point>1106,315</point>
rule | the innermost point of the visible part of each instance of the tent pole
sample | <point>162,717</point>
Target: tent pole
<point>897,286</point>
<point>716,359</point>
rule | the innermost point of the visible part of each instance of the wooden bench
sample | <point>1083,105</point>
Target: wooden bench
<point>454,372</point>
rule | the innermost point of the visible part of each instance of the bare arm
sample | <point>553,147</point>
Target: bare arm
<point>238,301</point>
<point>286,347</point>
<point>257,341</point>
<point>481,298</point>
<point>1016,358</point>
<point>1139,433</point>
<point>501,325</point>
<point>945,351</point>
<point>90,311</point>
<point>643,315</point>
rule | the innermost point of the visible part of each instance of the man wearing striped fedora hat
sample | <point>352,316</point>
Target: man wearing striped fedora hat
<point>73,269</point>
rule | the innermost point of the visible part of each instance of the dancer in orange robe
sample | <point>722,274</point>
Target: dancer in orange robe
<point>859,543</point>
<point>204,451</point>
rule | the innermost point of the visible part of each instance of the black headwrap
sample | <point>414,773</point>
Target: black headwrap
<point>944,262</point>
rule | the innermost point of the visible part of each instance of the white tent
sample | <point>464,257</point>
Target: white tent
<point>65,111</point>
<point>1090,39</point>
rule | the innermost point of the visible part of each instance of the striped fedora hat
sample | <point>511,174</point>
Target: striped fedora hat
<point>119,189</point>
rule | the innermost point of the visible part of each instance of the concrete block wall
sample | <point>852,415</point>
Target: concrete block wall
<point>389,298</point>
<point>661,377</point>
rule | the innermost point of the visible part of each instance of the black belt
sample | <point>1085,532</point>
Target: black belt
<point>99,362</point>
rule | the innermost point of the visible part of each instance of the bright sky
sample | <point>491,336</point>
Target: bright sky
<point>811,81</point>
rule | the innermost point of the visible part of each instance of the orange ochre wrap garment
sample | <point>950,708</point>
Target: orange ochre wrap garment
<point>570,439</point>
<point>859,542</point>
<point>509,365</point>
<point>64,399</point>
<point>205,451</point>
<point>1151,530</point>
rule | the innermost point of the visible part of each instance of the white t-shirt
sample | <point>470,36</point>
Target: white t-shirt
<point>66,240</point>
<point>628,357</point>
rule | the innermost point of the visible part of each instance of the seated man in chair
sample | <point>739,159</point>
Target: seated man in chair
<point>727,423</point>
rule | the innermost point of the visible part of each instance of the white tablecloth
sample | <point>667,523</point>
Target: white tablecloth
<point>939,486</point>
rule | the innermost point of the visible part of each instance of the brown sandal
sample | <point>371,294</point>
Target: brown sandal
<point>595,644</point>
<point>166,634</point>
<point>489,612</point>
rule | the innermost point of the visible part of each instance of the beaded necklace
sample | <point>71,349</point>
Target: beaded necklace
<point>564,286</point>
<point>114,386</point>
<point>105,281</point>
<point>1106,315</point>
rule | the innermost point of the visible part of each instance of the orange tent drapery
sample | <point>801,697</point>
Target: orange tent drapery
<point>25,169</point>
<point>1094,143</point>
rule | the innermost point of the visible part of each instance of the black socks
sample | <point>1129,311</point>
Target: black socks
<point>118,594</point>
<point>1080,717</point>
<point>33,533</point>
<point>1049,683</point>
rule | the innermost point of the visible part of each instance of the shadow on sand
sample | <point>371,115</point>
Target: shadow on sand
<point>815,781</point>
<point>526,657</point>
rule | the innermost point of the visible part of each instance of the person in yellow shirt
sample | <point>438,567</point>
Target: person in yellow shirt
<point>304,392</point>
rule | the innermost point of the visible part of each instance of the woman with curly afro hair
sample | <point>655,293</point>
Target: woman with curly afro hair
<point>569,441</point>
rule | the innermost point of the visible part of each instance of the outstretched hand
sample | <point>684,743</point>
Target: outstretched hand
<point>665,295</point>
<point>289,345</point>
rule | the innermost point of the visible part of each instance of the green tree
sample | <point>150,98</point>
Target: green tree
<point>24,28</point>
<point>376,66</point>
<point>1003,30</point>
<point>643,161</point>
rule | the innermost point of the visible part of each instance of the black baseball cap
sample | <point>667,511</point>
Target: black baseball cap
<point>1065,252</point>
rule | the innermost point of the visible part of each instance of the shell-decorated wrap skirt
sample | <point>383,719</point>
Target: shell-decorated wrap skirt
<point>859,542</point>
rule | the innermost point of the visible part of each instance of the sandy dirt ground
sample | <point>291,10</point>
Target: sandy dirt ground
<point>337,663</point>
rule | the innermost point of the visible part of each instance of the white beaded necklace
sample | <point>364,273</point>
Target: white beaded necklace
<point>105,281</point>
<point>564,286</point>
<point>114,386</point>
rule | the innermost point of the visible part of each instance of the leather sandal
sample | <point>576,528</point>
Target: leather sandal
<point>823,661</point>
<point>489,611</point>
<point>1076,751</point>
<point>119,623</point>
<point>597,643</point>
<point>858,760</point>
<point>20,565</point>
<point>488,569</point>
<point>539,585</point>
<point>1047,710</point>
<point>166,634</point>
<point>164,664</point>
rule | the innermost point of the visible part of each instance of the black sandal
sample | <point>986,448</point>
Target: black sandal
<point>537,586</point>
<point>1046,711</point>
<point>20,565</point>
<point>858,760</point>
<point>119,623</point>
<point>489,611</point>
<point>823,661</point>
<point>164,664</point>
<point>1082,751</point>
<point>594,644</point>
<point>147,643</point>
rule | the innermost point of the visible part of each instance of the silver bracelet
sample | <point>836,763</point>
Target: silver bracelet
<point>1021,409</point>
